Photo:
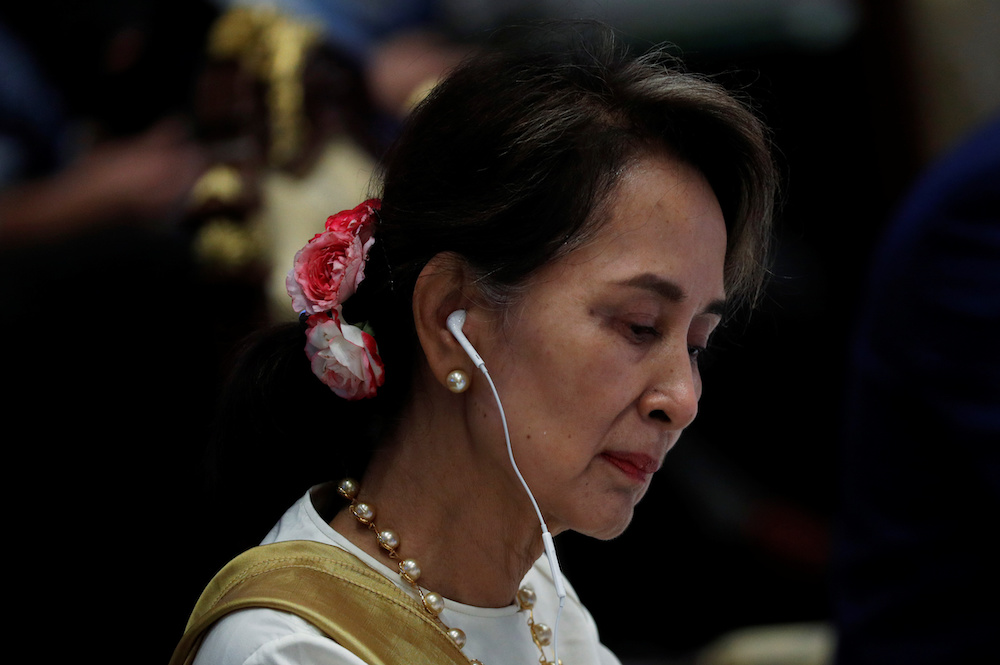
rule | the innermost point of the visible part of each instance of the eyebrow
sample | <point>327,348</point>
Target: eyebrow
<point>672,292</point>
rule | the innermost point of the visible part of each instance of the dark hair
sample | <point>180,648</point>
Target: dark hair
<point>506,162</point>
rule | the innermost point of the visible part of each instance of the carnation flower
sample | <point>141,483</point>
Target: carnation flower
<point>328,270</point>
<point>344,357</point>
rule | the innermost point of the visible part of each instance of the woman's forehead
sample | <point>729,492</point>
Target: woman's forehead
<point>663,220</point>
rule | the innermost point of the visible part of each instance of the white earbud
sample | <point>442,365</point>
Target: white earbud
<point>455,322</point>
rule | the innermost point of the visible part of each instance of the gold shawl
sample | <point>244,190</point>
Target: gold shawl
<point>333,590</point>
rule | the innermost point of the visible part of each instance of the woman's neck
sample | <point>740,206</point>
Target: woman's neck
<point>471,529</point>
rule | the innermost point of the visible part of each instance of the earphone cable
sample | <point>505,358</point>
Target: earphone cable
<point>550,552</point>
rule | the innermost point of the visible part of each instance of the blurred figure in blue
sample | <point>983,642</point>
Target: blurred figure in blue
<point>916,556</point>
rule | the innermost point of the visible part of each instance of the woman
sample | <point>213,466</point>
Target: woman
<point>579,219</point>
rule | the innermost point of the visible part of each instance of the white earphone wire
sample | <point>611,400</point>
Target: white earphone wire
<point>550,549</point>
<point>456,320</point>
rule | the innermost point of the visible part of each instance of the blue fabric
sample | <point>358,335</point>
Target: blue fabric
<point>916,575</point>
<point>34,132</point>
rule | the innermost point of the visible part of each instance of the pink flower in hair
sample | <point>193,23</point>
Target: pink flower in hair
<point>328,270</point>
<point>344,357</point>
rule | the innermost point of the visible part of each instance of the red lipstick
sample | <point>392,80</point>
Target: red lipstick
<point>637,466</point>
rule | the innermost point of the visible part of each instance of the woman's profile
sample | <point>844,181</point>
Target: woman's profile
<point>500,346</point>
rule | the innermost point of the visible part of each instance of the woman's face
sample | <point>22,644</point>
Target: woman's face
<point>597,367</point>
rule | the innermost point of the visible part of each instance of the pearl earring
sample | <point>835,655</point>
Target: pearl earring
<point>458,381</point>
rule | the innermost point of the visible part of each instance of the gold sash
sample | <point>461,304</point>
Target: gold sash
<point>333,590</point>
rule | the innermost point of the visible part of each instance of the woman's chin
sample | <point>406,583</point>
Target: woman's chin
<point>606,529</point>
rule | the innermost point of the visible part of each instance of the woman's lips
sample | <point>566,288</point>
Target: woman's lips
<point>637,466</point>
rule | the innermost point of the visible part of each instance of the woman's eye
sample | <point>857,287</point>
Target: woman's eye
<point>641,333</point>
<point>697,354</point>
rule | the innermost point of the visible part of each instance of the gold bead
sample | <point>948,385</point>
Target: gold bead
<point>388,539</point>
<point>409,569</point>
<point>348,488</point>
<point>542,634</point>
<point>433,602</point>
<point>365,512</point>
<point>457,636</point>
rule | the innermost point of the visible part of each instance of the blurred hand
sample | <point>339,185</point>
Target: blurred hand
<point>138,180</point>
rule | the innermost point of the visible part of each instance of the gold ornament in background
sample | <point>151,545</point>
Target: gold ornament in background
<point>227,246</point>
<point>222,183</point>
<point>274,49</point>
<point>233,34</point>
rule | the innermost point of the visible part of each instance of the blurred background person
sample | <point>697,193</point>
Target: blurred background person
<point>915,566</point>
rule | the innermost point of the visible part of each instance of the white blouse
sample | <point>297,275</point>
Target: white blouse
<point>495,636</point>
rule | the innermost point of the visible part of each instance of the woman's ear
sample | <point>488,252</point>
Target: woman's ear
<point>442,287</point>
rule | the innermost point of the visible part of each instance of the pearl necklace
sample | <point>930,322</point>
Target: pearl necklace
<point>433,602</point>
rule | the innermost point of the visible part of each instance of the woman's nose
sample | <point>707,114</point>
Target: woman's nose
<point>672,400</point>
